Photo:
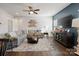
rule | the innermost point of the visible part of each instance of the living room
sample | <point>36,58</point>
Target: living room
<point>31,28</point>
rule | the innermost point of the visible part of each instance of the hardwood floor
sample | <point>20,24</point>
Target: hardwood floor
<point>56,50</point>
<point>29,53</point>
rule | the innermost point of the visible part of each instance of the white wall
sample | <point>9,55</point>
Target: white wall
<point>8,23</point>
<point>4,17</point>
<point>43,22</point>
<point>18,24</point>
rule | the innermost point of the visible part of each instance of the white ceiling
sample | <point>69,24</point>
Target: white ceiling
<point>46,9</point>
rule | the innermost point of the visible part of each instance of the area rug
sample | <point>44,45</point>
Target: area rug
<point>42,45</point>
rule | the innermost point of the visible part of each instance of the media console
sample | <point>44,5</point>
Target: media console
<point>64,38</point>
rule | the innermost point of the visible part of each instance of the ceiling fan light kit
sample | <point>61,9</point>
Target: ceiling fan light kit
<point>31,10</point>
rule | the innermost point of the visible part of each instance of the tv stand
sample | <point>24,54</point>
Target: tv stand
<point>64,38</point>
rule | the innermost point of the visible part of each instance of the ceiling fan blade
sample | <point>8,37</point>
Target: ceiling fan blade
<point>37,10</point>
<point>30,7</point>
<point>25,10</point>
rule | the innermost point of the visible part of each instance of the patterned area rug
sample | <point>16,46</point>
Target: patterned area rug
<point>42,45</point>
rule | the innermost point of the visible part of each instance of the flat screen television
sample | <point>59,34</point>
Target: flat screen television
<point>65,22</point>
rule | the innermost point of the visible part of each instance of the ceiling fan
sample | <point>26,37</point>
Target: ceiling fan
<point>31,10</point>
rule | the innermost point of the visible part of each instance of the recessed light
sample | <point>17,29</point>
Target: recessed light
<point>17,13</point>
